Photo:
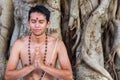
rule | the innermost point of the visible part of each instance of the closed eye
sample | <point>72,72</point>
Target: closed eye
<point>33,21</point>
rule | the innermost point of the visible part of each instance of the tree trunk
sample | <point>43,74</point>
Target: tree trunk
<point>89,28</point>
<point>6,26</point>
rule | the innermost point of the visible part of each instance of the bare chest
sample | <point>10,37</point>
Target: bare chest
<point>28,54</point>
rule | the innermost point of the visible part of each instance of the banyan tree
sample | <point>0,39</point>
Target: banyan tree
<point>90,30</point>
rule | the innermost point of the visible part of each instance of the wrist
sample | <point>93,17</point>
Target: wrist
<point>43,66</point>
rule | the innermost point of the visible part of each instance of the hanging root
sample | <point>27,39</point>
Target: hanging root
<point>111,63</point>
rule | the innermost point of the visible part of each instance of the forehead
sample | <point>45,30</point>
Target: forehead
<point>37,15</point>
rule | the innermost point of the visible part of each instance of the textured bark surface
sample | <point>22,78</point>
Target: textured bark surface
<point>6,26</point>
<point>89,28</point>
<point>94,48</point>
<point>55,28</point>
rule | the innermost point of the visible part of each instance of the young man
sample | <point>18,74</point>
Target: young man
<point>38,52</point>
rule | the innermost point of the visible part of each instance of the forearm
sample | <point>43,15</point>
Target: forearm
<point>58,73</point>
<point>15,74</point>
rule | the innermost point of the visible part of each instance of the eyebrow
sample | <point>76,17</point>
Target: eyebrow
<point>35,19</point>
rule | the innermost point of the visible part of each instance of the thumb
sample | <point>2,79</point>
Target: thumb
<point>37,50</point>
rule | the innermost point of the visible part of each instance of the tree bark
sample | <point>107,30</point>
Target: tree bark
<point>89,28</point>
<point>6,26</point>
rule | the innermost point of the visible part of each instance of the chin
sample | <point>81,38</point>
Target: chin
<point>37,34</point>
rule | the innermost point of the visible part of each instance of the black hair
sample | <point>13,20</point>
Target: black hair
<point>40,9</point>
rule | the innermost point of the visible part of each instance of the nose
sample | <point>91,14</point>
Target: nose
<point>37,25</point>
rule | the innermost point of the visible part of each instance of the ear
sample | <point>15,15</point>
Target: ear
<point>48,24</point>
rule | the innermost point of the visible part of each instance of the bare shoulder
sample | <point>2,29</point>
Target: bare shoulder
<point>60,44</point>
<point>19,43</point>
<point>53,39</point>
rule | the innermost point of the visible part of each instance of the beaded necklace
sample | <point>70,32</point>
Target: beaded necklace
<point>44,58</point>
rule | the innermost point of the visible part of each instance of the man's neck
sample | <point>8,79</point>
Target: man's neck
<point>38,39</point>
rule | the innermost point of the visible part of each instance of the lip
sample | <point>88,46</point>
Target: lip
<point>36,30</point>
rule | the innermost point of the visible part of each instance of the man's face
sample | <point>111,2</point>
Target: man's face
<point>38,23</point>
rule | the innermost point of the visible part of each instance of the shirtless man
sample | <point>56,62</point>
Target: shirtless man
<point>38,52</point>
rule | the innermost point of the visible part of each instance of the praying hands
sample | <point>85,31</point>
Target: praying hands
<point>38,61</point>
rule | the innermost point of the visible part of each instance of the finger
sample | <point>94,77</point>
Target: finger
<point>35,63</point>
<point>36,48</point>
<point>37,53</point>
